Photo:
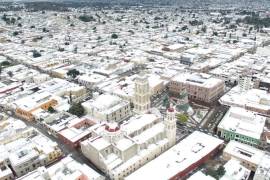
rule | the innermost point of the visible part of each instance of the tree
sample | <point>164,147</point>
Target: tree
<point>217,174</point>
<point>4,17</point>
<point>212,173</point>
<point>183,118</point>
<point>51,109</point>
<point>221,171</point>
<point>10,74</point>
<point>114,36</point>
<point>76,109</point>
<point>86,18</point>
<point>15,33</point>
<point>5,63</point>
<point>45,30</point>
<point>166,102</point>
<point>204,29</point>
<point>36,54</point>
<point>73,73</point>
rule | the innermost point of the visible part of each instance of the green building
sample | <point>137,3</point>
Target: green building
<point>242,125</point>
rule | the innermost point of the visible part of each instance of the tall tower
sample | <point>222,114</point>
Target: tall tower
<point>170,126</point>
<point>142,95</point>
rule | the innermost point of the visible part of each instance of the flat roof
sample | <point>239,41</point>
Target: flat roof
<point>244,152</point>
<point>242,121</point>
<point>264,167</point>
<point>256,98</point>
<point>178,158</point>
<point>200,176</point>
<point>236,171</point>
<point>198,79</point>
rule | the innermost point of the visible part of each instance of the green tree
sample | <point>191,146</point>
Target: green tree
<point>212,172</point>
<point>51,109</point>
<point>10,74</point>
<point>166,102</point>
<point>221,171</point>
<point>217,174</point>
<point>15,33</point>
<point>114,36</point>
<point>5,63</point>
<point>36,54</point>
<point>183,118</point>
<point>73,73</point>
<point>76,109</point>
<point>204,29</point>
<point>86,18</point>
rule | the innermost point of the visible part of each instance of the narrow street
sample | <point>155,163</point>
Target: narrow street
<point>75,153</point>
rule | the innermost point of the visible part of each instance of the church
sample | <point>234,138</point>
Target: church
<point>120,149</point>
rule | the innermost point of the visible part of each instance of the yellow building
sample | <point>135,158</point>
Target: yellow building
<point>27,105</point>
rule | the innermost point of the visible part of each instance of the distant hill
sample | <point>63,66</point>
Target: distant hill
<point>179,3</point>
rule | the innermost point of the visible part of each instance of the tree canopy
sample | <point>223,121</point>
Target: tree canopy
<point>73,73</point>
<point>36,54</point>
<point>86,18</point>
<point>183,118</point>
<point>51,109</point>
<point>114,36</point>
<point>76,109</point>
<point>217,174</point>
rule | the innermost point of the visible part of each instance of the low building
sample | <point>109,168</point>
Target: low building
<point>91,80</point>
<point>181,159</point>
<point>249,156</point>
<point>235,171</point>
<point>56,122</point>
<point>67,168</point>
<point>107,107</point>
<point>242,125</point>
<point>12,129</point>
<point>77,131</point>
<point>25,107</point>
<point>263,170</point>
<point>29,152</point>
<point>254,99</point>
<point>120,150</point>
<point>200,87</point>
<point>5,172</point>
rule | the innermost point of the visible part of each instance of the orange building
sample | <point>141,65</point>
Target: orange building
<point>27,105</point>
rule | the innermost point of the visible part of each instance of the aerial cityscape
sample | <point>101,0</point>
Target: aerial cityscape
<point>134,90</point>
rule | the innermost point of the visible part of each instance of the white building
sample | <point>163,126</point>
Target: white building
<point>181,159</point>
<point>235,171</point>
<point>242,125</point>
<point>29,152</point>
<point>107,107</point>
<point>5,172</point>
<point>263,170</point>
<point>67,168</point>
<point>245,83</point>
<point>249,156</point>
<point>254,99</point>
<point>91,80</point>
<point>120,150</point>
<point>141,95</point>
